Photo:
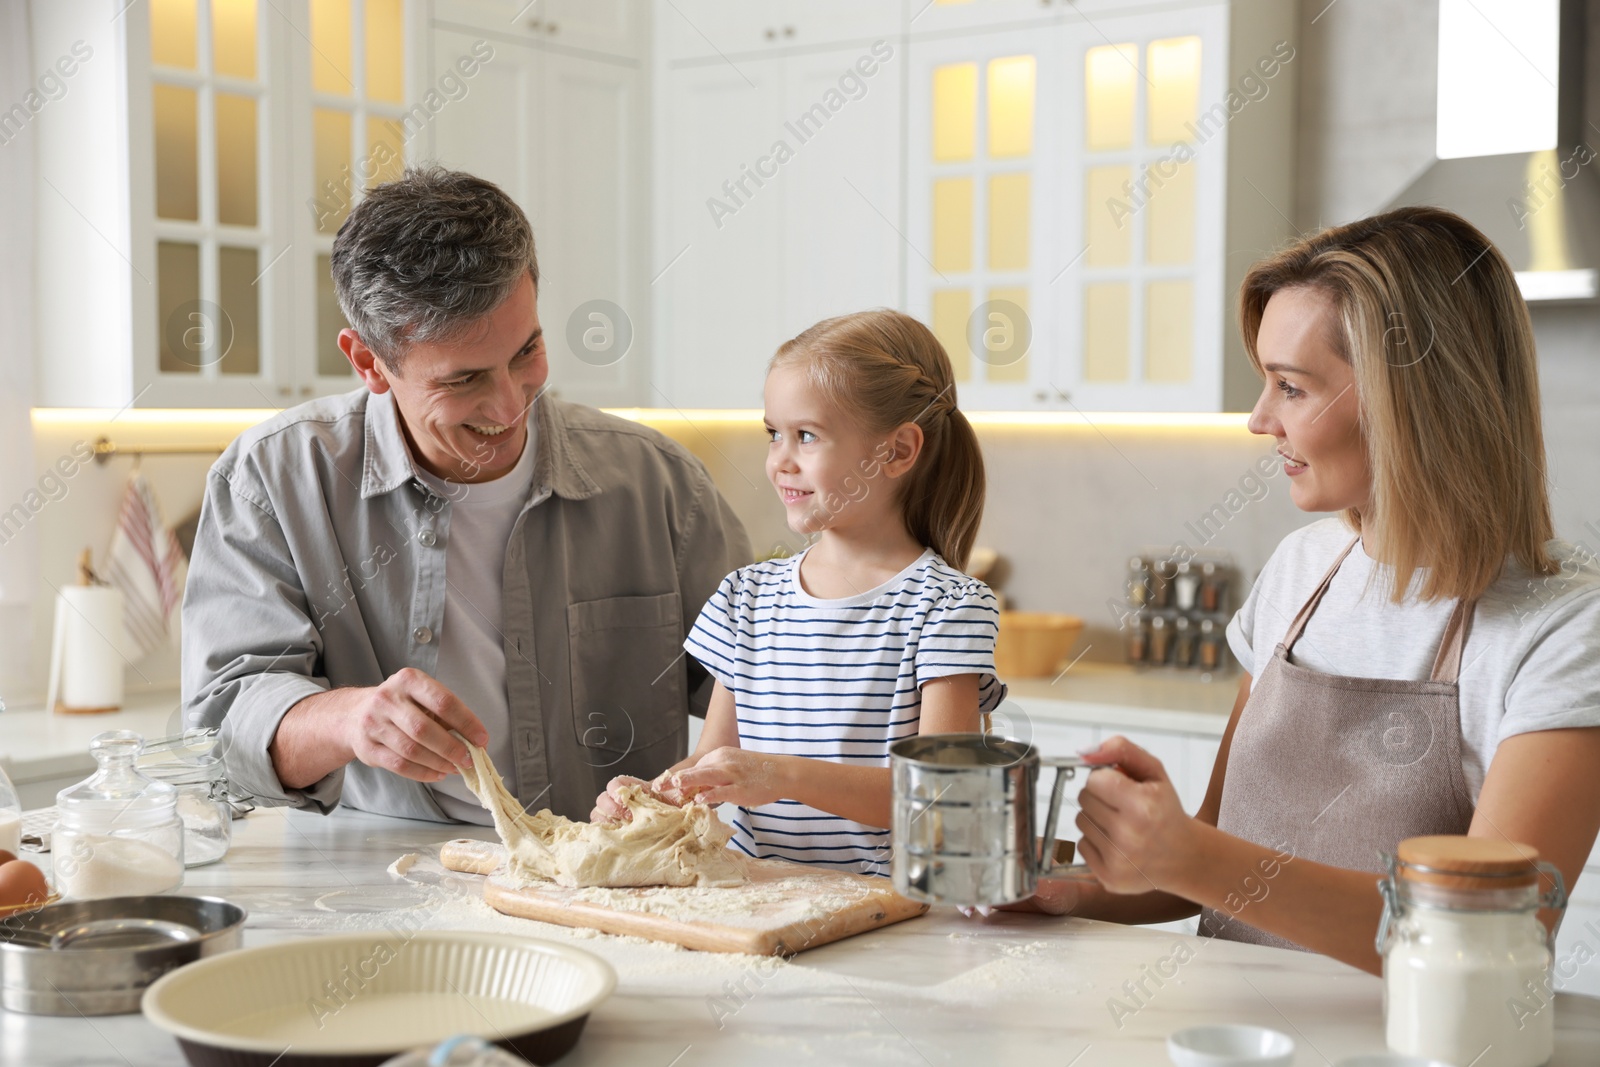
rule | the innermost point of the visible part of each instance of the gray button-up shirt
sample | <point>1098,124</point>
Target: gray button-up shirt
<point>320,562</point>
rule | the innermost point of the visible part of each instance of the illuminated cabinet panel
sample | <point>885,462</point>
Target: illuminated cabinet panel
<point>249,129</point>
<point>976,200</point>
<point>1081,183</point>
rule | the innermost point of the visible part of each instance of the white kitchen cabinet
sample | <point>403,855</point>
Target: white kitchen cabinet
<point>723,31</point>
<point>1076,194</point>
<point>776,207</point>
<point>1577,958</point>
<point>718,265</point>
<point>191,180</point>
<point>566,136</point>
<point>616,28</point>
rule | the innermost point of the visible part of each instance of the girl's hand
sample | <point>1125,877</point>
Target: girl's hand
<point>735,776</point>
<point>1052,896</point>
<point>609,808</point>
<point>1135,834</point>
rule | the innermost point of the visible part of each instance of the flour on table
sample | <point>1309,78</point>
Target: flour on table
<point>661,845</point>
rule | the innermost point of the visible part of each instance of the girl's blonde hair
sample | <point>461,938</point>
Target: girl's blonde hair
<point>883,369</point>
<point>1428,314</point>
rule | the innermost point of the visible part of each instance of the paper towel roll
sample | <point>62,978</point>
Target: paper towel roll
<point>86,662</point>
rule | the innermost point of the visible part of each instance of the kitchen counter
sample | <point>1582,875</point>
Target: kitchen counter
<point>39,747</point>
<point>1115,695</point>
<point>940,989</point>
<point>36,745</point>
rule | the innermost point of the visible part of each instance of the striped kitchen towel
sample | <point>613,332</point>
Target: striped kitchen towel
<point>146,563</point>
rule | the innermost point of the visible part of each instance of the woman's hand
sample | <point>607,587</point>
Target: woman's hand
<point>1135,834</point>
<point>736,776</point>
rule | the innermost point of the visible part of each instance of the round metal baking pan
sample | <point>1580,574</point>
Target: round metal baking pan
<point>97,957</point>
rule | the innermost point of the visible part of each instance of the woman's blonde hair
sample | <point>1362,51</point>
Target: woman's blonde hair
<point>883,369</point>
<point>1428,314</point>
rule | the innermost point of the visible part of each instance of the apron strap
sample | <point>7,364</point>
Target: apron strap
<point>1447,664</point>
<point>1310,606</point>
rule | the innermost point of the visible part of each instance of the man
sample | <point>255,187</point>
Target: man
<point>447,549</point>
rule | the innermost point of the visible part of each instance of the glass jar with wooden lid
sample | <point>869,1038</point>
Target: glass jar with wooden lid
<point>1466,961</point>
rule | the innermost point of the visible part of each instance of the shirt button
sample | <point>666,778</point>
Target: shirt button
<point>422,634</point>
<point>427,538</point>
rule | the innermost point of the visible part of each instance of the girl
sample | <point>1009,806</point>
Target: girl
<point>870,635</point>
<point>1423,663</point>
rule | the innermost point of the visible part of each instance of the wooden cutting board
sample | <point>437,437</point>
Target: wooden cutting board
<point>785,908</point>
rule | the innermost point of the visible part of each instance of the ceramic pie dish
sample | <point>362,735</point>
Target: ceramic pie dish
<point>356,1000</point>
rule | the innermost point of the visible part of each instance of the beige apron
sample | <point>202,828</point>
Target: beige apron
<point>1335,769</point>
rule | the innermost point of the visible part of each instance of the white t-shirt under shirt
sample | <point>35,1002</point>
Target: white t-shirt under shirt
<point>1530,659</point>
<point>472,657</point>
<point>838,680</point>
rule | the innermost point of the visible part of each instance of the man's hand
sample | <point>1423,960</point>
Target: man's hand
<point>402,726</point>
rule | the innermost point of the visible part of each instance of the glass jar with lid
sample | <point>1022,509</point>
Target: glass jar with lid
<point>201,780</point>
<point>1466,961</point>
<point>117,832</point>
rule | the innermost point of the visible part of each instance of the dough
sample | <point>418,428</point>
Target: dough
<point>403,865</point>
<point>663,844</point>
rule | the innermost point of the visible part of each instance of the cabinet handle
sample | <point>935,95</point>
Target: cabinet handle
<point>771,34</point>
<point>788,31</point>
<point>553,28</point>
<point>534,24</point>
<point>284,390</point>
<point>305,390</point>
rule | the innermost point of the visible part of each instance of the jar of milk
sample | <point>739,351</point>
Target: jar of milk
<point>10,816</point>
<point>117,832</point>
<point>1466,961</point>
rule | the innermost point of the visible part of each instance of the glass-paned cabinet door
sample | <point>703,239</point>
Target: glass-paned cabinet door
<point>1144,135</point>
<point>978,210</point>
<point>203,218</point>
<point>355,133</point>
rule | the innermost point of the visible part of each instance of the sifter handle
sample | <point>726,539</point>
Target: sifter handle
<point>1066,768</point>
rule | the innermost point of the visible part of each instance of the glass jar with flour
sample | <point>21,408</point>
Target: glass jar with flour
<point>117,832</point>
<point>202,784</point>
<point>1466,961</point>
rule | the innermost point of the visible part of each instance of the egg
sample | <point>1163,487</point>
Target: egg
<point>22,883</point>
<point>6,857</point>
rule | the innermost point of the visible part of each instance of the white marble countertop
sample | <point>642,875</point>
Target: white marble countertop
<point>1121,696</point>
<point>936,990</point>
<point>37,745</point>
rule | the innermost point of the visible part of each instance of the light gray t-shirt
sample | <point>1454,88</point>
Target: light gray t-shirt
<point>1530,660</point>
<point>472,656</point>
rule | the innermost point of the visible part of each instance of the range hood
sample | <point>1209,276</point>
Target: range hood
<point>1515,156</point>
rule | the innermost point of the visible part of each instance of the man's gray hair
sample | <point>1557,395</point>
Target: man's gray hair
<point>426,256</point>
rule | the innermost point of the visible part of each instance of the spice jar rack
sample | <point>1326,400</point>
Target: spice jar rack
<point>1175,613</point>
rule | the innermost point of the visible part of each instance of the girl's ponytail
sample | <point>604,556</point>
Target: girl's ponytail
<point>885,369</point>
<point>944,499</point>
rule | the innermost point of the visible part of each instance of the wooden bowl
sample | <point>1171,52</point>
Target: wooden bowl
<point>1034,644</point>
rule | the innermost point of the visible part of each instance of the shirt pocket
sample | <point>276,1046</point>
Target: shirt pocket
<point>628,685</point>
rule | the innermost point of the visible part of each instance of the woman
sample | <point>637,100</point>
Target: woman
<point>1423,664</point>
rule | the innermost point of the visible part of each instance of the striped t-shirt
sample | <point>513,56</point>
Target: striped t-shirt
<point>838,680</point>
